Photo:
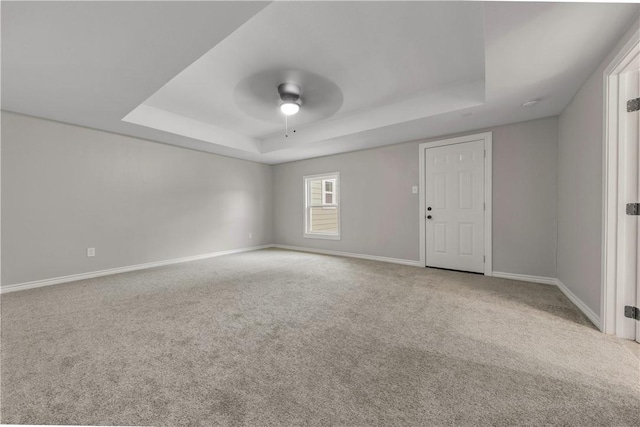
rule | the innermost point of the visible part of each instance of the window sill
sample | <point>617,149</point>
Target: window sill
<point>322,236</point>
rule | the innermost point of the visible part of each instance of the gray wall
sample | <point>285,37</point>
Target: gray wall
<point>380,214</point>
<point>580,193</point>
<point>67,188</point>
<point>580,157</point>
<point>525,197</point>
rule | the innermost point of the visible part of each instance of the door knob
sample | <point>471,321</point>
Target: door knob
<point>429,208</point>
<point>428,216</point>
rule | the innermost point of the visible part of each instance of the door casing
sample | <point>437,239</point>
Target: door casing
<point>614,289</point>
<point>487,138</point>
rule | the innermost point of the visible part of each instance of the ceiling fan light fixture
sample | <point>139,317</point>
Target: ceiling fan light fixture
<point>289,108</point>
<point>290,97</point>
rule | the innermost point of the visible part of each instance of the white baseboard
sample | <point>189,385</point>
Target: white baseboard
<point>595,319</point>
<point>525,278</point>
<point>351,255</point>
<point>93,274</point>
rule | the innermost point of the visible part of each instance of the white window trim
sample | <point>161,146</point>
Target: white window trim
<point>336,195</point>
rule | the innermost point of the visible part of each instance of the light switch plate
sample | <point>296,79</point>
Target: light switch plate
<point>91,251</point>
<point>414,189</point>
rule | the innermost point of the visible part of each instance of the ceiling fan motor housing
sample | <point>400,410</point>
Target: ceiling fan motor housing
<point>289,92</point>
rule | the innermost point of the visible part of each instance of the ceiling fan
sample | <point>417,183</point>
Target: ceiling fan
<point>269,94</point>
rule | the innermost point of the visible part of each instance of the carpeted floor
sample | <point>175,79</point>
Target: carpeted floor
<point>275,337</point>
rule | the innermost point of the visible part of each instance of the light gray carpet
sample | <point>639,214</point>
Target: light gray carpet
<point>285,338</point>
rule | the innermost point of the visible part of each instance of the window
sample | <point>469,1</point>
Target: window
<point>322,206</point>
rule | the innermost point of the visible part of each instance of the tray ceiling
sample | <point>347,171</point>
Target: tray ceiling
<point>203,75</point>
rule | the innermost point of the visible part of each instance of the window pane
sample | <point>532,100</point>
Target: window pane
<point>328,186</point>
<point>328,199</point>
<point>324,220</point>
<point>315,189</point>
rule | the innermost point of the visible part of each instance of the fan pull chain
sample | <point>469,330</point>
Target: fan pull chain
<point>286,126</point>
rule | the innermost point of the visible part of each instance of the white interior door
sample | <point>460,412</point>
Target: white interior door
<point>455,206</point>
<point>629,188</point>
<point>636,132</point>
<point>632,138</point>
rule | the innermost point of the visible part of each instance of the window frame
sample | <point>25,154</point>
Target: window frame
<point>335,177</point>
<point>325,192</point>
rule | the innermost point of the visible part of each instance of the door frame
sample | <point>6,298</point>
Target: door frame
<point>487,137</point>
<point>614,176</point>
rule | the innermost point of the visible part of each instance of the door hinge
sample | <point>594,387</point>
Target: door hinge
<point>631,312</point>
<point>633,105</point>
<point>484,258</point>
<point>633,208</point>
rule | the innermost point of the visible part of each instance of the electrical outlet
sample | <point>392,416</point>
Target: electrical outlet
<point>91,251</point>
<point>414,189</point>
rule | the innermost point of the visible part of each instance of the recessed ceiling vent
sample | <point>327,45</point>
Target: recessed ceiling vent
<point>531,103</point>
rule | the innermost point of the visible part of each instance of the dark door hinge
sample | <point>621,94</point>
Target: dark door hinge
<point>633,208</point>
<point>631,312</point>
<point>633,105</point>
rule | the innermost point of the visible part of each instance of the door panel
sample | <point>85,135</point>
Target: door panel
<point>454,182</point>
<point>440,237</point>
<point>466,189</point>
<point>440,191</point>
<point>466,239</point>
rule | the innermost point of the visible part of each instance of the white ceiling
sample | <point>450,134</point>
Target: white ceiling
<point>203,75</point>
